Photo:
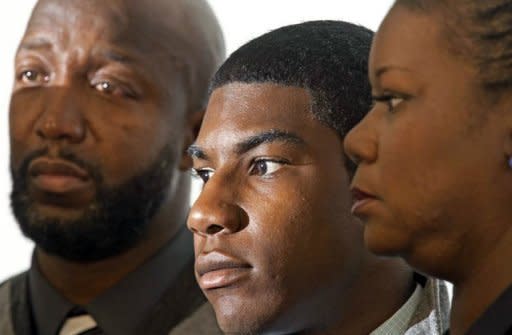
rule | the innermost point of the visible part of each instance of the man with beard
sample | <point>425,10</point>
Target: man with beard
<point>107,96</point>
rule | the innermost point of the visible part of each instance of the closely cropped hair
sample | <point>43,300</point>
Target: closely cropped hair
<point>478,30</point>
<point>327,58</point>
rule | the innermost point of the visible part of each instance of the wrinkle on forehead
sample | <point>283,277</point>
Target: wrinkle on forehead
<point>55,12</point>
<point>177,26</point>
<point>169,32</point>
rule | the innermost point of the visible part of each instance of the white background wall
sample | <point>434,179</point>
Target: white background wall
<point>241,20</point>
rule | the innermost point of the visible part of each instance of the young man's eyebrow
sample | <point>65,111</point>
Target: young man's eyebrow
<point>268,136</point>
<point>252,142</point>
<point>196,152</point>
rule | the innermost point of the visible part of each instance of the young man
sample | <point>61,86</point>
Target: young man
<point>106,98</point>
<point>277,250</point>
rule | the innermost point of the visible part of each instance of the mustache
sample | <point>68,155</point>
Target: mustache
<point>63,154</point>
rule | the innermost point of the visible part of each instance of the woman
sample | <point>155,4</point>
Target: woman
<point>434,155</point>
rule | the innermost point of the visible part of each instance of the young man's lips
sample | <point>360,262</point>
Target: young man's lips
<point>57,176</point>
<point>360,198</point>
<point>216,270</point>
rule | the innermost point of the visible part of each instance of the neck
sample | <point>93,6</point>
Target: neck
<point>491,275</point>
<point>80,283</point>
<point>378,293</point>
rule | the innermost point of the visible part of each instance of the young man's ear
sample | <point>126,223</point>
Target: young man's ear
<point>193,124</point>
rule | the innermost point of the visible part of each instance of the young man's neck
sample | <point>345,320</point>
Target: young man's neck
<point>377,294</point>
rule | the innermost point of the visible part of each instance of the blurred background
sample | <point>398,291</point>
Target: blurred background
<point>240,20</point>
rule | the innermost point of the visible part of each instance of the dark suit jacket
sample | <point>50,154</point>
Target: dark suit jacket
<point>181,310</point>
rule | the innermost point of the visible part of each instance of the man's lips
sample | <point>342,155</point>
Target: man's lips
<point>216,270</point>
<point>57,176</point>
<point>361,198</point>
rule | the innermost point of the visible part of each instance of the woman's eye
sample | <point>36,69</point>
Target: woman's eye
<point>33,77</point>
<point>264,167</point>
<point>203,174</point>
<point>391,101</point>
<point>394,102</point>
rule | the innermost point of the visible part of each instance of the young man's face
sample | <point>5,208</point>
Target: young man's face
<point>274,240</point>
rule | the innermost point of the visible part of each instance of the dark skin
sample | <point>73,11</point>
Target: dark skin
<point>432,154</point>
<point>276,247</point>
<point>94,78</point>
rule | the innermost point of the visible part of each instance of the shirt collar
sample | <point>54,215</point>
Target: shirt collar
<point>398,323</point>
<point>48,307</point>
<point>120,309</point>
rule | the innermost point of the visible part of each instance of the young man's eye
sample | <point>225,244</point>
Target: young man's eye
<point>203,174</point>
<point>262,167</point>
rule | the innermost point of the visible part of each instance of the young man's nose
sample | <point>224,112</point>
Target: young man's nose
<point>214,211</point>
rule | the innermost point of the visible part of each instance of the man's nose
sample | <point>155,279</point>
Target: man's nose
<point>215,211</point>
<point>361,143</point>
<point>62,117</point>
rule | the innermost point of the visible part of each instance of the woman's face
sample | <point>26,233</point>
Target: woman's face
<point>431,152</point>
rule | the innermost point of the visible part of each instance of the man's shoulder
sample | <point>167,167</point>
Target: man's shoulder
<point>201,322</point>
<point>11,290</point>
<point>17,277</point>
<point>17,282</point>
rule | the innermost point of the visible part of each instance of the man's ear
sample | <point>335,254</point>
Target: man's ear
<point>192,126</point>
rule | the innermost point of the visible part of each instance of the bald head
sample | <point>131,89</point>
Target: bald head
<point>181,34</point>
<point>118,85</point>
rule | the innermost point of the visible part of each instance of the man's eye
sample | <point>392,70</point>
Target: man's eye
<point>112,88</point>
<point>203,174</point>
<point>263,167</point>
<point>105,87</point>
<point>33,77</point>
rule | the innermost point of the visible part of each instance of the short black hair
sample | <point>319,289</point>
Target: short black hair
<point>327,58</point>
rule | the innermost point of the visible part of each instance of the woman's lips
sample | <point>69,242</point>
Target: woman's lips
<point>217,270</point>
<point>361,198</point>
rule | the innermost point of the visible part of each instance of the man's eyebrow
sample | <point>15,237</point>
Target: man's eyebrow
<point>115,56</point>
<point>44,43</point>
<point>35,43</point>
<point>268,136</point>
